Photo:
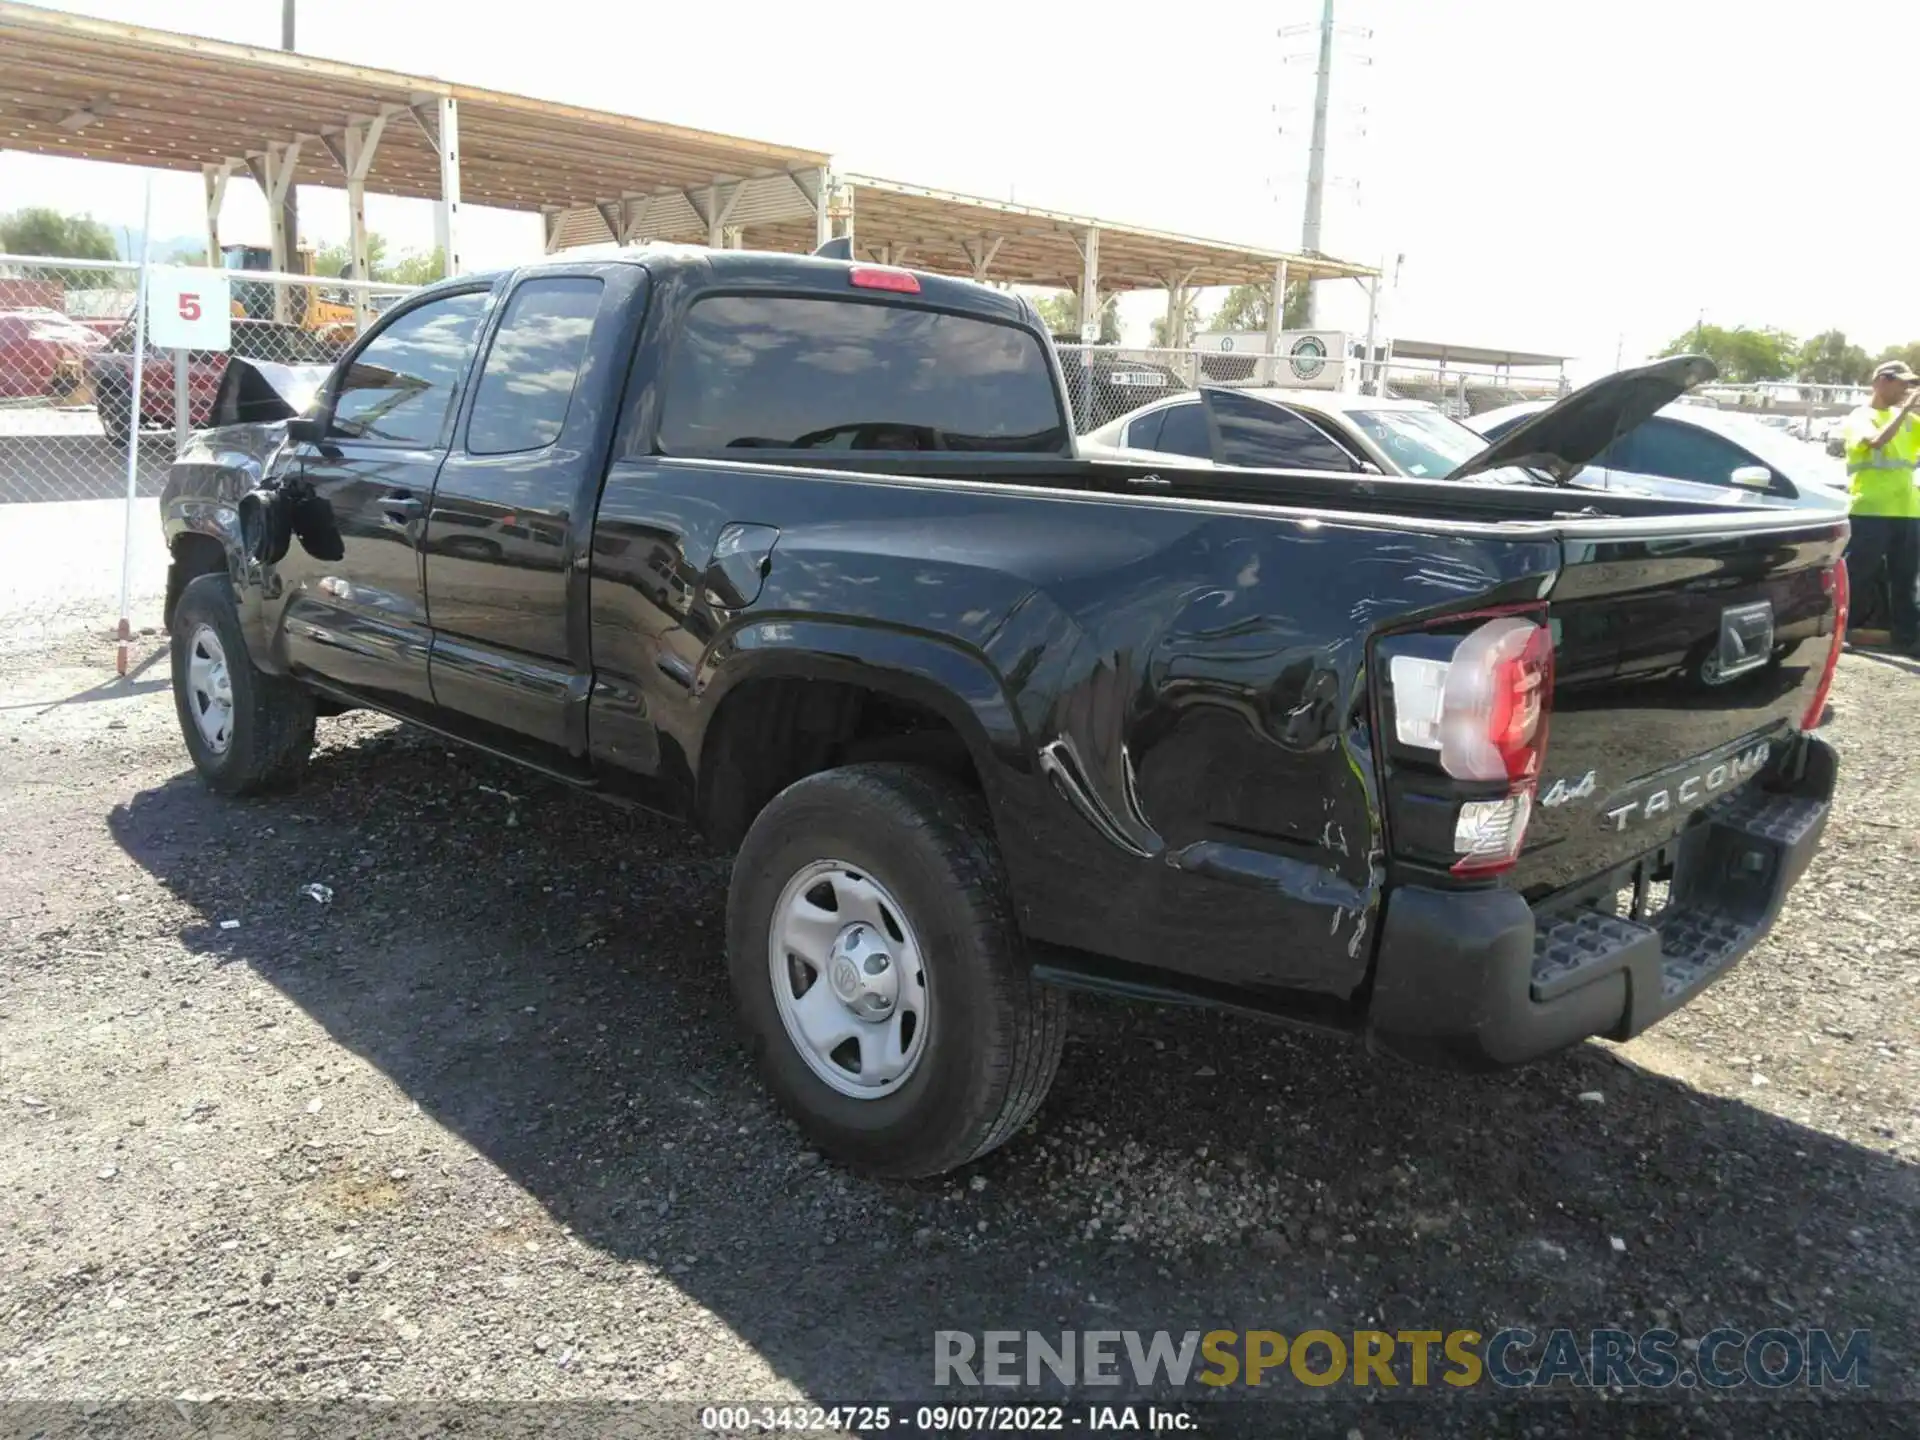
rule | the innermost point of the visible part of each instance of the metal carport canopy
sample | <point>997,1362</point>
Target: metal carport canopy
<point>943,231</point>
<point>949,233</point>
<point>99,90</point>
<point>1472,354</point>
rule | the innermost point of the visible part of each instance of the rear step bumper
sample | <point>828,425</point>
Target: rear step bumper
<point>1476,979</point>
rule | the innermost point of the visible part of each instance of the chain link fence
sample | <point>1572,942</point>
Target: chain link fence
<point>1806,411</point>
<point>67,406</point>
<point>1463,392</point>
<point>1105,382</point>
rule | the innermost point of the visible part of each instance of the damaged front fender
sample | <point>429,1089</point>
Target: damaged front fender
<point>221,505</point>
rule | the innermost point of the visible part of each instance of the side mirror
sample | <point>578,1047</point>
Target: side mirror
<point>307,429</point>
<point>1755,477</point>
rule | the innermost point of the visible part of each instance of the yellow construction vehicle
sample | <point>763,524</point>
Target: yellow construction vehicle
<point>326,314</point>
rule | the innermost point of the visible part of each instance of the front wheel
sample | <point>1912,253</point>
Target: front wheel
<point>246,730</point>
<point>879,973</point>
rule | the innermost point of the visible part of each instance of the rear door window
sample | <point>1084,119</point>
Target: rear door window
<point>1144,433</point>
<point>1258,433</point>
<point>1679,452</point>
<point>762,372</point>
<point>1184,432</point>
<point>526,386</point>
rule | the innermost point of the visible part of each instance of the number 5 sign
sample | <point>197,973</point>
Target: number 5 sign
<point>189,308</point>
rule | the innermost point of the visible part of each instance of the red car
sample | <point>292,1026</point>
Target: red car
<point>36,347</point>
<point>110,372</point>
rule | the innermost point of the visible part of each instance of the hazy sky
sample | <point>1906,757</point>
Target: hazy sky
<point>1560,174</point>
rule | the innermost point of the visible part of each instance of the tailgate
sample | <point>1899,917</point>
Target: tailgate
<point>1681,664</point>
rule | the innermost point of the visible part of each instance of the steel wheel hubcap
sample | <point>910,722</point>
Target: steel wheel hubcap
<point>848,979</point>
<point>210,689</point>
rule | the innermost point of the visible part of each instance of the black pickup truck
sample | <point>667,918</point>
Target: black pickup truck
<point>801,550</point>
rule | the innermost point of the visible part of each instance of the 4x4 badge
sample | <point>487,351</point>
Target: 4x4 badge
<point>1562,792</point>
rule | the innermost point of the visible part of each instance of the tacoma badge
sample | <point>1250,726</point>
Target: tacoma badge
<point>1688,790</point>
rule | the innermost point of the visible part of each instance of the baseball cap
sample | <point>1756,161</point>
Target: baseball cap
<point>1894,370</point>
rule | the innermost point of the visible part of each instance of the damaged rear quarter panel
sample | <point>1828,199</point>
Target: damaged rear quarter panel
<point>1210,736</point>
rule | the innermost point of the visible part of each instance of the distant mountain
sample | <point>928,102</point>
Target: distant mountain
<point>191,249</point>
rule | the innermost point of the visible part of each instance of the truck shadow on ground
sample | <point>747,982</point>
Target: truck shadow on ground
<point>544,976</point>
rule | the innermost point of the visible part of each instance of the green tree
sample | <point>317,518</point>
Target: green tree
<point>1157,331</point>
<point>1246,307</point>
<point>40,231</point>
<point>1828,359</point>
<point>1060,313</point>
<point>333,261</point>
<point>414,268</point>
<point>1764,354</point>
<point>1743,354</point>
<point>407,268</point>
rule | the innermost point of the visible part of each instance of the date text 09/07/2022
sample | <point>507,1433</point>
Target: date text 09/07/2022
<point>937,1419</point>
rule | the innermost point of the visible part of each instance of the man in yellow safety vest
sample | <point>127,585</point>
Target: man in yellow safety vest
<point>1883,443</point>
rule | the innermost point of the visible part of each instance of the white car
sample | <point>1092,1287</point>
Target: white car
<point>1331,430</point>
<point>1703,445</point>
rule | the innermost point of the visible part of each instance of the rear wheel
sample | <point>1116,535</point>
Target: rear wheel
<point>247,731</point>
<point>879,973</point>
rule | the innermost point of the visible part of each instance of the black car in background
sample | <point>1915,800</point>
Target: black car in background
<point>1103,384</point>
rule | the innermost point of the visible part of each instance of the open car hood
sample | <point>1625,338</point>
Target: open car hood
<point>1564,437</point>
<point>259,392</point>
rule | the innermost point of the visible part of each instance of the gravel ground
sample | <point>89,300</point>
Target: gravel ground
<point>480,1127</point>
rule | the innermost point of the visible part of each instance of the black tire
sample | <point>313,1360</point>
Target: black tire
<point>994,1035</point>
<point>271,735</point>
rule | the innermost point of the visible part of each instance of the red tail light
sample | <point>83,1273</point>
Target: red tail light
<point>1484,709</point>
<point>876,277</point>
<point>1837,586</point>
<point>1494,709</point>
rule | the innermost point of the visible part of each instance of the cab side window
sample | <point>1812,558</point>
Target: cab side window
<point>526,385</point>
<point>399,387</point>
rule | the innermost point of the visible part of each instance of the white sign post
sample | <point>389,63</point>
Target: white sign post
<point>189,308</point>
<point>180,308</point>
<point>192,309</point>
<point>125,628</point>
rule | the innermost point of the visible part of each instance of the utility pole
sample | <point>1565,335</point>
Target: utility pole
<point>1317,151</point>
<point>291,209</point>
<point>1317,148</point>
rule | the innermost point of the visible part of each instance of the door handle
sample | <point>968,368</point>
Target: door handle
<point>402,508</point>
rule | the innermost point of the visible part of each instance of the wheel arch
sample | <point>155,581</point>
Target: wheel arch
<point>195,552</point>
<point>792,698</point>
